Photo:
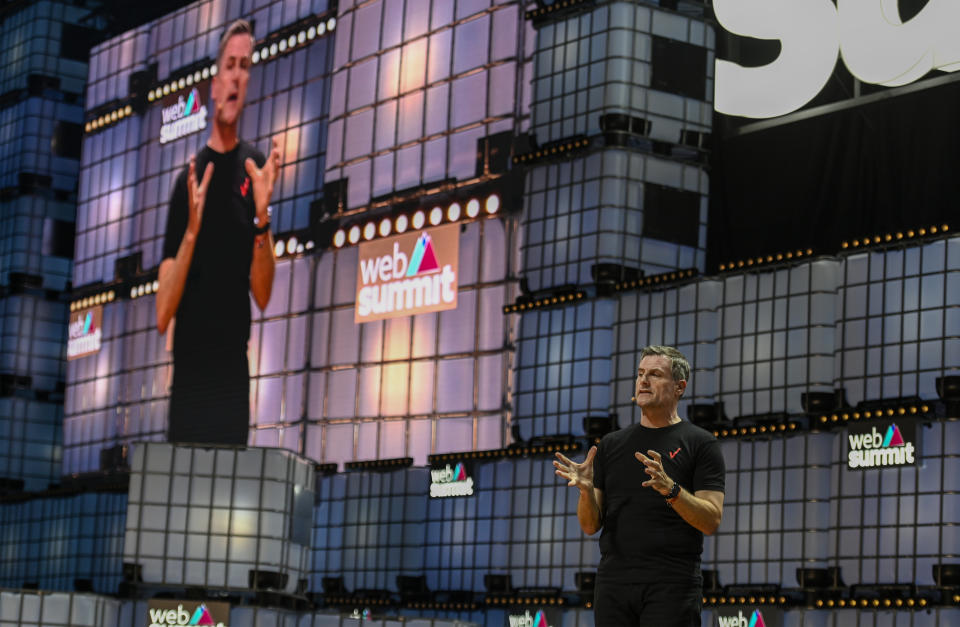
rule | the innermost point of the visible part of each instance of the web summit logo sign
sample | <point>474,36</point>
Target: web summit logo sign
<point>756,620</point>
<point>187,613</point>
<point>528,620</point>
<point>183,116</point>
<point>882,444</point>
<point>408,274</point>
<point>450,482</point>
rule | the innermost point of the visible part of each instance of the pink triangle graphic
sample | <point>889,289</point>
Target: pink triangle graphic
<point>540,620</point>
<point>460,475</point>
<point>759,622</point>
<point>205,618</point>
<point>897,439</point>
<point>429,261</point>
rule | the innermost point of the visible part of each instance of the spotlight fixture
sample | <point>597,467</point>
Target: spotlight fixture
<point>948,389</point>
<point>595,427</point>
<point>816,402</point>
<point>497,584</point>
<point>706,415</point>
<point>946,575</point>
<point>894,238</point>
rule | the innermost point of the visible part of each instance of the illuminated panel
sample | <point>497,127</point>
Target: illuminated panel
<point>602,62</point>
<point>591,210</point>
<point>685,317</point>
<point>416,84</point>
<point>217,517</point>
<point>415,385</point>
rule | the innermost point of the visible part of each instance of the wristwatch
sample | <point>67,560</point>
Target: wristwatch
<point>260,229</point>
<point>674,492</point>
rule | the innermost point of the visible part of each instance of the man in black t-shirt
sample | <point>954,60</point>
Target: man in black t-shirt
<point>654,488</point>
<point>218,248</point>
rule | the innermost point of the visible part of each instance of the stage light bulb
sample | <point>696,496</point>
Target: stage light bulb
<point>273,48</point>
<point>128,110</point>
<point>150,96</point>
<point>418,219</point>
<point>384,227</point>
<point>292,245</point>
<point>278,249</point>
<point>311,32</point>
<point>281,46</point>
<point>299,248</point>
<point>140,290</point>
<point>133,292</point>
<point>291,41</point>
<point>493,204</point>
<point>354,235</point>
<point>196,76</point>
<point>369,231</point>
<point>166,89</point>
<point>147,289</point>
<point>264,53</point>
<point>453,212</point>
<point>473,208</point>
<point>256,56</point>
<point>213,70</point>
<point>156,287</point>
<point>339,238</point>
<point>181,83</point>
<point>402,223</point>
<point>301,37</point>
<point>331,23</point>
<point>321,28</point>
<point>205,73</point>
<point>436,216</point>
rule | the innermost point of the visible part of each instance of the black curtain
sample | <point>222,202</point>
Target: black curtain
<point>876,168</point>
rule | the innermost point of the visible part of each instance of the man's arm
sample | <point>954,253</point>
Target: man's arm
<point>263,265</point>
<point>261,269</point>
<point>172,275</point>
<point>590,503</point>
<point>589,508</point>
<point>703,510</point>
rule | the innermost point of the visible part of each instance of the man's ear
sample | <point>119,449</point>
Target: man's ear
<point>681,386</point>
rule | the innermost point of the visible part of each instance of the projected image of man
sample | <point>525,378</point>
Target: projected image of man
<point>217,250</point>
<point>654,488</point>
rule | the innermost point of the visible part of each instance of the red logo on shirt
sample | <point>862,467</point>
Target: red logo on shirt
<point>674,453</point>
<point>245,186</point>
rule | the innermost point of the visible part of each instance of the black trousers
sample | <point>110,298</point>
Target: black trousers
<point>210,397</point>
<point>646,604</point>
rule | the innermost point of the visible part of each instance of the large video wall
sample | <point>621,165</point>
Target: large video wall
<point>394,101</point>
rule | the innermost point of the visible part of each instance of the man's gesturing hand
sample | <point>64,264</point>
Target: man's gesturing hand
<point>580,475</point>
<point>197,195</point>
<point>263,180</point>
<point>653,466</point>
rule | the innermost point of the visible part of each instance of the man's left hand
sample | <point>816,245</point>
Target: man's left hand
<point>653,466</point>
<point>263,180</point>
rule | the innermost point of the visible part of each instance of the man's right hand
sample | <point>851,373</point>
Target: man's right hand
<point>197,196</point>
<point>579,475</point>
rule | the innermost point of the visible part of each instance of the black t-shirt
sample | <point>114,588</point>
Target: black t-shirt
<point>644,540</point>
<point>214,311</point>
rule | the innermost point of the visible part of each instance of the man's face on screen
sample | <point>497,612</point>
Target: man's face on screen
<point>233,74</point>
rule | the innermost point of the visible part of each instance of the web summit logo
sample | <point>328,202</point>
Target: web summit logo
<point>394,282</point>
<point>756,620</point>
<point>450,482</point>
<point>871,449</point>
<point>183,117</point>
<point>164,617</point>
<point>528,620</point>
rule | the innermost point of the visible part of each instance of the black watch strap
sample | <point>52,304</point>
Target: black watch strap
<point>260,230</point>
<point>674,492</point>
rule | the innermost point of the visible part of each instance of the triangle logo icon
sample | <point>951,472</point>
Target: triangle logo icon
<point>757,619</point>
<point>193,103</point>
<point>540,620</point>
<point>459,474</point>
<point>893,436</point>
<point>201,616</point>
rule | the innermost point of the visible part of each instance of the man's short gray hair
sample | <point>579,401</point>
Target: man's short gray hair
<point>679,366</point>
<point>237,27</point>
